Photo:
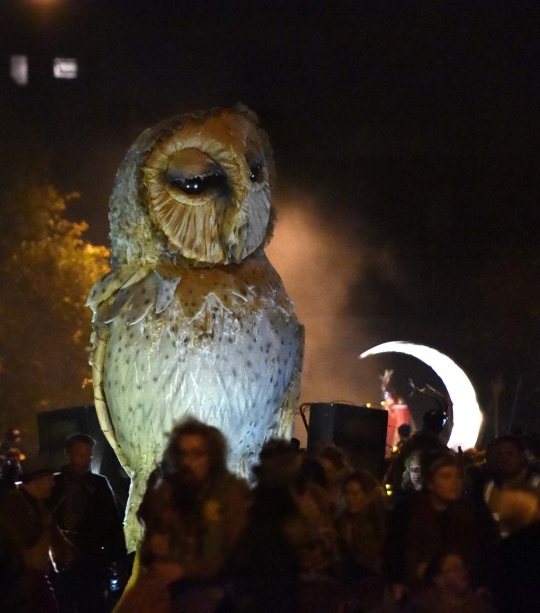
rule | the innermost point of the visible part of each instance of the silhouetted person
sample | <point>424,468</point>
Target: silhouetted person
<point>85,509</point>
<point>12,440</point>
<point>510,467</point>
<point>10,472</point>
<point>404,433</point>
<point>30,523</point>
<point>427,439</point>
<point>520,551</point>
<point>336,468</point>
<point>263,571</point>
<point>360,531</point>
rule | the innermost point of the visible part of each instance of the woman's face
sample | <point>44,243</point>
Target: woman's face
<point>356,499</point>
<point>193,455</point>
<point>415,474</point>
<point>446,484</point>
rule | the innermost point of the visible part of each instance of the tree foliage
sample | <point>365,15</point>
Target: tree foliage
<point>46,271</point>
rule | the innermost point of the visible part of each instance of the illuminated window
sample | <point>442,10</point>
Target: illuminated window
<point>18,69</point>
<point>65,68</point>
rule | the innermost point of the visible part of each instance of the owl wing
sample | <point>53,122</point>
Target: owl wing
<point>292,393</point>
<point>100,337</point>
<point>131,291</point>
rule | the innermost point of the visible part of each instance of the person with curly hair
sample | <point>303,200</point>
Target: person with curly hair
<point>193,511</point>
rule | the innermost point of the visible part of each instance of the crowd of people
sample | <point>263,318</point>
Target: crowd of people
<point>441,532</point>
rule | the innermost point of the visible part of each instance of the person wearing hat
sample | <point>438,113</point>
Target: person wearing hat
<point>31,524</point>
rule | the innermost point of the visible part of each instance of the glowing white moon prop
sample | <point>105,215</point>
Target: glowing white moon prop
<point>467,416</point>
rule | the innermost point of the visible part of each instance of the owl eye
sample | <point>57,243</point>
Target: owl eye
<point>255,172</point>
<point>198,184</point>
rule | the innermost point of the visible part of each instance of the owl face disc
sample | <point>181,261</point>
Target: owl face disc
<point>207,188</point>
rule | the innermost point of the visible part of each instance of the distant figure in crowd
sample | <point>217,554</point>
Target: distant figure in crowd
<point>519,510</point>
<point>193,512</point>
<point>448,589</point>
<point>84,507</point>
<point>336,469</point>
<point>12,440</point>
<point>427,439</point>
<point>438,520</point>
<point>478,464</point>
<point>10,471</point>
<point>510,467</point>
<point>263,572</point>
<point>312,534</point>
<point>404,433</point>
<point>412,475</point>
<point>29,522</point>
<point>360,533</point>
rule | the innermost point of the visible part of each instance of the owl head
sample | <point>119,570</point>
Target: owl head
<point>195,189</point>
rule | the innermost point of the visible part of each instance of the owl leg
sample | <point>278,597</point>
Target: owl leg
<point>133,530</point>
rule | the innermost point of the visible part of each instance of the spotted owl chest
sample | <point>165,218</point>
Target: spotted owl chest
<point>224,349</point>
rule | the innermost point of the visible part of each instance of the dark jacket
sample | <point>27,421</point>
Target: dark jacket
<point>98,535</point>
<point>360,542</point>
<point>520,554</point>
<point>419,532</point>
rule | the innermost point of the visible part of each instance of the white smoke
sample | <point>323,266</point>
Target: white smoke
<point>318,267</point>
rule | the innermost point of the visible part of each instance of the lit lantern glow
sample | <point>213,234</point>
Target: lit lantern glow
<point>18,69</point>
<point>65,68</point>
<point>467,417</point>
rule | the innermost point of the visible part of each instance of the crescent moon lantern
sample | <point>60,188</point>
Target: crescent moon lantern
<point>467,417</point>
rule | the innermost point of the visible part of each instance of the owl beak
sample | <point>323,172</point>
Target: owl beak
<point>237,249</point>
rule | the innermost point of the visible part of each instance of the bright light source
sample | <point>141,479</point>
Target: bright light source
<point>65,68</point>
<point>467,416</point>
<point>18,69</point>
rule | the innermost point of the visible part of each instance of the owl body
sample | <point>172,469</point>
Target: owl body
<point>182,325</point>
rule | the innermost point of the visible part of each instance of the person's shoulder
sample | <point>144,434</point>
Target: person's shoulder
<point>234,481</point>
<point>98,481</point>
<point>235,492</point>
<point>236,486</point>
<point>98,478</point>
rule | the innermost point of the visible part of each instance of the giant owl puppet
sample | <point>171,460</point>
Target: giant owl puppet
<point>192,319</point>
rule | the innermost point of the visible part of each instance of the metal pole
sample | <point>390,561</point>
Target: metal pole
<point>514,404</point>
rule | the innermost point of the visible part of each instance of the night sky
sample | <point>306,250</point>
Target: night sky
<point>406,143</point>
